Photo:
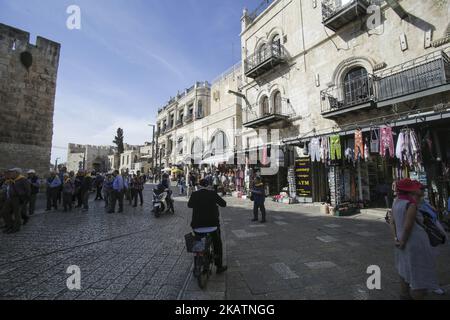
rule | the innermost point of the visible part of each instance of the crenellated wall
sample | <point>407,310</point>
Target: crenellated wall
<point>27,99</point>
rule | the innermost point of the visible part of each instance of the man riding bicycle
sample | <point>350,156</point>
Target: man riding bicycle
<point>205,218</point>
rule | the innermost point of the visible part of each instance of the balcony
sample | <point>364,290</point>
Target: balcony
<point>349,96</point>
<point>258,120</point>
<point>418,78</point>
<point>264,60</point>
<point>179,123</point>
<point>338,13</point>
<point>188,118</point>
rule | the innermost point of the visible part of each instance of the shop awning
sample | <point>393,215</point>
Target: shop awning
<point>219,159</point>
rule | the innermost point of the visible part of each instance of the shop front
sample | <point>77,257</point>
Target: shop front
<point>358,168</point>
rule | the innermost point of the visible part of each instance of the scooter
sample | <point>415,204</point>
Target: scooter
<point>161,203</point>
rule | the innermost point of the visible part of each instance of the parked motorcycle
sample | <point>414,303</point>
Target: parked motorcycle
<point>162,203</point>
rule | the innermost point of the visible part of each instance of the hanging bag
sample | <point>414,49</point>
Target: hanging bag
<point>435,234</point>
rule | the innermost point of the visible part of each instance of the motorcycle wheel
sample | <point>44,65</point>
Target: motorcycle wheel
<point>157,213</point>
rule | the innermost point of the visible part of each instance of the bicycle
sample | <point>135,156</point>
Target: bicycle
<point>201,245</point>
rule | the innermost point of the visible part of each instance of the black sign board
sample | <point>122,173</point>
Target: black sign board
<point>303,177</point>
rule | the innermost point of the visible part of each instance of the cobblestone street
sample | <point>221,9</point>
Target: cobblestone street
<point>121,256</point>
<point>298,254</point>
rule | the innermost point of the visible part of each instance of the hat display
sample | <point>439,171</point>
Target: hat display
<point>408,185</point>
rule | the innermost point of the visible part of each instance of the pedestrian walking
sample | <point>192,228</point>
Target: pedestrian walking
<point>258,196</point>
<point>98,184</point>
<point>68,191</point>
<point>53,187</point>
<point>78,183</point>
<point>19,194</point>
<point>181,184</point>
<point>138,188</point>
<point>61,172</point>
<point>107,190</point>
<point>216,182</point>
<point>414,259</point>
<point>35,185</point>
<point>118,192</point>
<point>86,187</point>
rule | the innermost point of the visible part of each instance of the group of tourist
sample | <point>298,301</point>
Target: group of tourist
<point>19,190</point>
<point>220,182</point>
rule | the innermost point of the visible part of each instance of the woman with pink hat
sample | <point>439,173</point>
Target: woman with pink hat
<point>414,259</point>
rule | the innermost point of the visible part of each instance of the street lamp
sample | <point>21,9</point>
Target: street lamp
<point>56,163</point>
<point>153,149</point>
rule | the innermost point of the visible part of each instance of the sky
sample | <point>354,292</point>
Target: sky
<point>128,59</point>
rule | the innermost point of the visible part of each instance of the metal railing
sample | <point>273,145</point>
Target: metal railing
<point>333,7</point>
<point>270,51</point>
<point>426,72</point>
<point>350,93</point>
<point>255,112</point>
<point>423,73</point>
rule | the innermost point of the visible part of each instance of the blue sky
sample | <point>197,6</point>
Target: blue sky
<point>128,58</point>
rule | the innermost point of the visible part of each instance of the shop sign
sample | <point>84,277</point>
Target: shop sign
<point>303,177</point>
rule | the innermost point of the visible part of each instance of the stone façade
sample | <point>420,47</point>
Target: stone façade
<point>27,99</point>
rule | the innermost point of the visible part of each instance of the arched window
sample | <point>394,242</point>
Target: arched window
<point>219,143</point>
<point>262,53</point>
<point>197,148</point>
<point>277,109</point>
<point>265,106</point>
<point>276,45</point>
<point>356,86</point>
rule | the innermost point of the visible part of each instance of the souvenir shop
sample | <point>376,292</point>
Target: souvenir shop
<point>358,168</point>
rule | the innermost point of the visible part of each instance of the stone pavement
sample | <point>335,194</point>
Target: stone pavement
<point>121,256</point>
<point>307,255</point>
<point>298,254</point>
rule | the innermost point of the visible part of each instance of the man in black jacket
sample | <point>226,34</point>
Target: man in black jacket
<point>205,214</point>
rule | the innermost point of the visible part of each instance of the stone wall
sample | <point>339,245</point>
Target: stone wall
<point>27,99</point>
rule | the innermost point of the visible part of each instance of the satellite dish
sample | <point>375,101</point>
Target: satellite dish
<point>27,59</point>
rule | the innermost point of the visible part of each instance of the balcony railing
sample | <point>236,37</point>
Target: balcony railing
<point>415,76</point>
<point>264,60</point>
<point>188,118</point>
<point>257,119</point>
<point>414,79</point>
<point>349,94</point>
<point>338,13</point>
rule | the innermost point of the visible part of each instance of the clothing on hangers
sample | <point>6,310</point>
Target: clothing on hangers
<point>349,154</point>
<point>375,140</point>
<point>386,142</point>
<point>366,150</point>
<point>314,149</point>
<point>325,149</point>
<point>359,145</point>
<point>335,148</point>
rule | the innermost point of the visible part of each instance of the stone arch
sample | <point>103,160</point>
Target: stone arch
<point>345,66</point>
<point>274,32</point>
<point>197,147</point>
<point>225,141</point>
<point>259,44</point>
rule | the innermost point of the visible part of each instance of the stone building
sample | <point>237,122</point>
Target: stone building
<point>188,107</point>
<point>28,75</point>
<point>209,135</point>
<point>88,157</point>
<point>320,69</point>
